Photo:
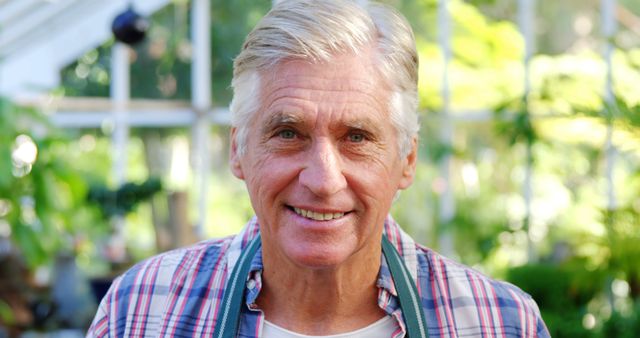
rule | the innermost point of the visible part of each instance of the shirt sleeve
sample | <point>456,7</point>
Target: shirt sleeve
<point>101,325</point>
<point>541,327</point>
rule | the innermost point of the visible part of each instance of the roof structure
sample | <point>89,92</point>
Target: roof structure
<point>40,37</point>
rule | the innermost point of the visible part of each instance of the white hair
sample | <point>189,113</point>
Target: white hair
<point>317,30</point>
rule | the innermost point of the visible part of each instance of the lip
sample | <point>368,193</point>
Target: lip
<point>318,210</point>
<point>310,223</point>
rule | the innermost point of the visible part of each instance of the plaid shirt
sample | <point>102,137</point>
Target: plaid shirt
<point>178,294</point>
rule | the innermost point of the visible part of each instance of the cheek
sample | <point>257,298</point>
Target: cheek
<point>381,172</point>
<point>375,186</point>
<point>269,176</point>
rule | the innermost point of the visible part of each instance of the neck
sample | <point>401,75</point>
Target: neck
<point>321,301</point>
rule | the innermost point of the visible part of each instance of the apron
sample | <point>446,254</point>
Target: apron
<point>229,313</point>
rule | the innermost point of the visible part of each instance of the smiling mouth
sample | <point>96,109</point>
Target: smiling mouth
<point>317,216</point>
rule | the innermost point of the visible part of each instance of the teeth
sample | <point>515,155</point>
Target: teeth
<point>317,215</point>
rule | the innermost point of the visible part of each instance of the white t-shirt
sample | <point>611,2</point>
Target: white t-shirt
<point>383,328</point>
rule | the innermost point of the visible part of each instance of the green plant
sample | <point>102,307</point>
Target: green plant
<point>42,196</point>
<point>562,293</point>
<point>124,199</point>
<point>623,325</point>
<point>621,242</point>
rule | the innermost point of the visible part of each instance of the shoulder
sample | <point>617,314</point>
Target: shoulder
<point>146,289</point>
<point>172,266</point>
<point>467,299</point>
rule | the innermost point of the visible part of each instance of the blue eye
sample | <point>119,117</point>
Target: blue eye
<point>356,138</point>
<point>287,134</point>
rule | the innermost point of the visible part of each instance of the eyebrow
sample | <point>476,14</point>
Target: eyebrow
<point>281,118</point>
<point>290,118</point>
<point>365,124</point>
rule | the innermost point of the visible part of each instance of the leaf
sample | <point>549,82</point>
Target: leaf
<point>29,244</point>
<point>6,314</point>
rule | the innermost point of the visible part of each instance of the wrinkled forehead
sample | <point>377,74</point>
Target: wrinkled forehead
<point>342,72</point>
<point>334,80</point>
<point>344,94</point>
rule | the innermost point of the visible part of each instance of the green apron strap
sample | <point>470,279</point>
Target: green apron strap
<point>229,312</point>
<point>408,296</point>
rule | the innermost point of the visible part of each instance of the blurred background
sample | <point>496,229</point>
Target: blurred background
<point>115,150</point>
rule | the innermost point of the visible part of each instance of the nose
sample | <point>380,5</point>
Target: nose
<point>323,173</point>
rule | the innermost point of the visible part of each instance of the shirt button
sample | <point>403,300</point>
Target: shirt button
<point>251,284</point>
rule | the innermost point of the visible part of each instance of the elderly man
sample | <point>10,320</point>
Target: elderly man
<point>324,135</point>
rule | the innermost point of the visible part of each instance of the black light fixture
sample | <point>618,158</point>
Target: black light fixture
<point>129,27</point>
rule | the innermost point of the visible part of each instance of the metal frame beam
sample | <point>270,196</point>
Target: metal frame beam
<point>609,28</point>
<point>447,205</point>
<point>201,102</point>
<point>526,11</point>
<point>139,118</point>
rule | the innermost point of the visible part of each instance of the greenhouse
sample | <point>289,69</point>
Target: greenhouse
<point>115,143</point>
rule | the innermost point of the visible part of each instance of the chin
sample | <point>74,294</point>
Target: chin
<point>314,257</point>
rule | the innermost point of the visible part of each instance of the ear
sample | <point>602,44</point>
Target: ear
<point>234,156</point>
<point>409,165</point>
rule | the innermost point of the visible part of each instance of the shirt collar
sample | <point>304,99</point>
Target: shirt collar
<point>387,290</point>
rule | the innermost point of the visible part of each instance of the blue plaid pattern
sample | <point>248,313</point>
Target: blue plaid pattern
<point>178,294</point>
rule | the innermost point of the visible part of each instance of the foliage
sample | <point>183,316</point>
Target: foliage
<point>562,293</point>
<point>6,315</point>
<point>622,240</point>
<point>621,325</point>
<point>42,196</point>
<point>556,287</point>
<point>124,199</point>
<point>618,112</point>
<point>518,127</point>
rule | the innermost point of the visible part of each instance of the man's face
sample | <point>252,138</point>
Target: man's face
<point>321,162</point>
